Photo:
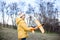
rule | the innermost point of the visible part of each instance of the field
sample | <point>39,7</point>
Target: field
<point>11,34</point>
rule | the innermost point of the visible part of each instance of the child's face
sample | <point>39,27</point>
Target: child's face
<point>23,16</point>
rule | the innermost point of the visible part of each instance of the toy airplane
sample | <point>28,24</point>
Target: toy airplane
<point>38,25</point>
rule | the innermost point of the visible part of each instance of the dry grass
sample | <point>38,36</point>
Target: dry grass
<point>11,34</point>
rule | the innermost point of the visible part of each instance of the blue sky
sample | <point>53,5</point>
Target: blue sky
<point>32,2</point>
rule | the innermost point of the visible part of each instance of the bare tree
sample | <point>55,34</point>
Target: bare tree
<point>2,5</point>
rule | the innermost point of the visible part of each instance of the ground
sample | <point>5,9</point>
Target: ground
<point>11,34</point>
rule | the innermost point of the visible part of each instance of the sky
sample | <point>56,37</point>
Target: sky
<point>32,2</point>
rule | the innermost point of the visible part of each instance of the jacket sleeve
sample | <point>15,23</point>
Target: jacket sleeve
<point>25,27</point>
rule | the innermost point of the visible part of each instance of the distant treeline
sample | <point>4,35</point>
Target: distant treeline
<point>55,27</point>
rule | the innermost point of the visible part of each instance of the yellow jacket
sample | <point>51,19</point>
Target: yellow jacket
<point>22,28</point>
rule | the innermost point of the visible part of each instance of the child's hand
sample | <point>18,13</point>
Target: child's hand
<point>32,28</point>
<point>36,28</point>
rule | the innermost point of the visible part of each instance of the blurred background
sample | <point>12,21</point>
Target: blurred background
<point>46,11</point>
